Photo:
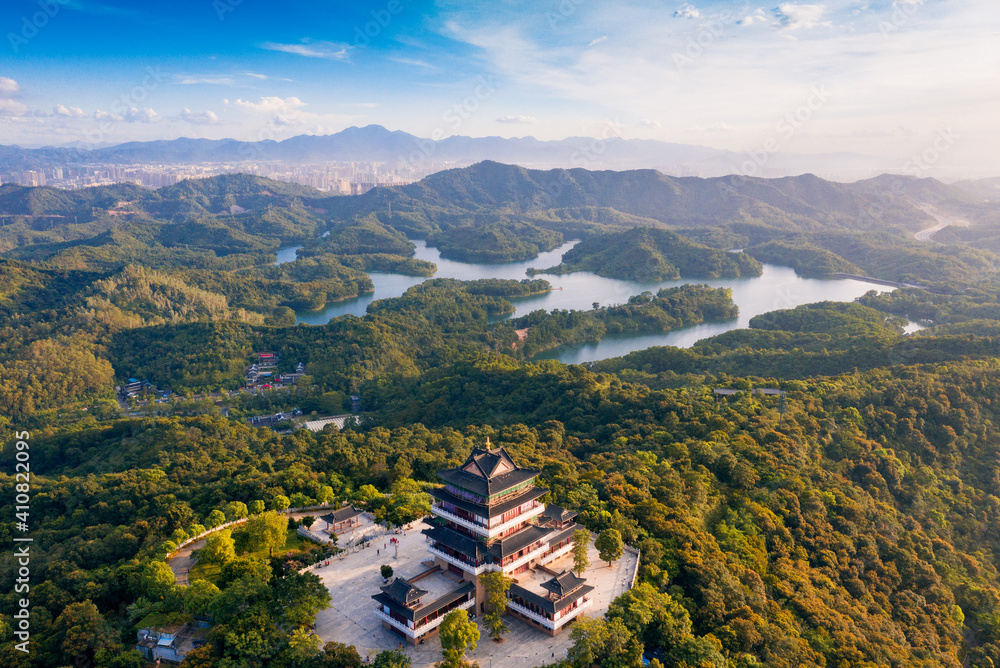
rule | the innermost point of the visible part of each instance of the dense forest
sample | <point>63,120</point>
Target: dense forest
<point>649,254</point>
<point>851,521</point>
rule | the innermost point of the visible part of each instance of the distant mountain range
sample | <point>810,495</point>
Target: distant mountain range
<point>376,143</point>
<point>497,212</point>
<point>805,201</point>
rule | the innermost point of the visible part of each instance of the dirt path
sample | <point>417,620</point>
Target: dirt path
<point>943,221</point>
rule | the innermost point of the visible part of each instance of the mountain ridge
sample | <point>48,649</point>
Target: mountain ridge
<point>379,144</point>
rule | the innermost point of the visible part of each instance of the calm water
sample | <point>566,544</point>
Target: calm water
<point>777,288</point>
<point>287,254</point>
<point>912,327</point>
<point>394,285</point>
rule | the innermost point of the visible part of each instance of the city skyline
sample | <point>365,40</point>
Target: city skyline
<point>879,78</point>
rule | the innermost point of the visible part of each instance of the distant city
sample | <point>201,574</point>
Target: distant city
<point>345,178</point>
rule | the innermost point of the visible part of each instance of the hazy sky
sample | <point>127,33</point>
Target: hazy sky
<point>879,77</point>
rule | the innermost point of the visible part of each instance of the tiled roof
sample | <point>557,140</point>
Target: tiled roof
<point>558,513</point>
<point>341,514</point>
<point>487,472</point>
<point>510,544</point>
<point>416,614</point>
<point>402,591</point>
<point>563,584</point>
<point>546,603</point>
<point>456,541</point>
<point>494,510</point>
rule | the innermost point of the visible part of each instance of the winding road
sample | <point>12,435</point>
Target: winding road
<point>943,221</point>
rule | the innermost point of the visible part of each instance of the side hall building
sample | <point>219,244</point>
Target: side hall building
<point>487,517</point>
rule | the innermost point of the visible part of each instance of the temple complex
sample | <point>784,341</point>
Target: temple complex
<point>487,517</point>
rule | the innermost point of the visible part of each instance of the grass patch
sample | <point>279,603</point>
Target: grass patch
<point>293,543</point>
<point>203,571</point>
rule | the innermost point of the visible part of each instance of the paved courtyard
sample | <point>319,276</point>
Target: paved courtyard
<point>351,616</point>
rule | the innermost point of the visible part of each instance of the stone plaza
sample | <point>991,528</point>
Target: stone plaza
<point>353,577</point>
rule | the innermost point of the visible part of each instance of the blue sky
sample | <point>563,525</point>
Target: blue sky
<point>883,77</point>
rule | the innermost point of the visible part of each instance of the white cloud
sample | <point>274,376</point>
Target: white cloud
<point>310,49</point>
<point>199,117</point>
<point>517,119</point>
<point>793,16</point>
<point>752,19</point>
<point>264,77</point>
<point>414,62</point>
<point>145,115</point>
<point>597,41</point>
<point>650,124</point>
<point>9,106</point>
<point>273,105</point>
<point>68,112</point>
<point>687,11</point>
<point>101,115</point>
<point>195,79</point>
<point>8,87</point>
<point>13,108</point>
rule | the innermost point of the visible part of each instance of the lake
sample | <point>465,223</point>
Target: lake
<point>776,288</point>
<point>287,254</point>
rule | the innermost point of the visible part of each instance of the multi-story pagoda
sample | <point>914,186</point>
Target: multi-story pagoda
<point>491,519</point>
<point>488,518</point>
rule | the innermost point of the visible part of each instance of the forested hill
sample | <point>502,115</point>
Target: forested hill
<point>210,195</point>
<point>491,212</point>
<point>801,200</point>
<point>848,523</point>
<point>818,227</point>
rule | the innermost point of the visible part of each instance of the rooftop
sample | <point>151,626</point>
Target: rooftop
<point>341,514</point>
<point>403,591</point>
<point>562,584</point>
<point>548,592</point>
<point>554,513</point>
<point>487,472</point>
<point>498,549</point>
<point>494,510</point>
<point>435,591</point>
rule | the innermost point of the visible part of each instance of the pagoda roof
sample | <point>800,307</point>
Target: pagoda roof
<point>403,591</point>
<point>565,532</point>
<point>510,544</point>
<point>489,510</point>
<point>487,472</point>
<point>341,514</point>
<point>552,605</point>
<point>456,541</point>
<point>562,584</point>
<point>559,514</point>
<point>497,550</point>
<point>416,614</point>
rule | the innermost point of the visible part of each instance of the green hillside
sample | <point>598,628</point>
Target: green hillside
<point>648,254</point>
